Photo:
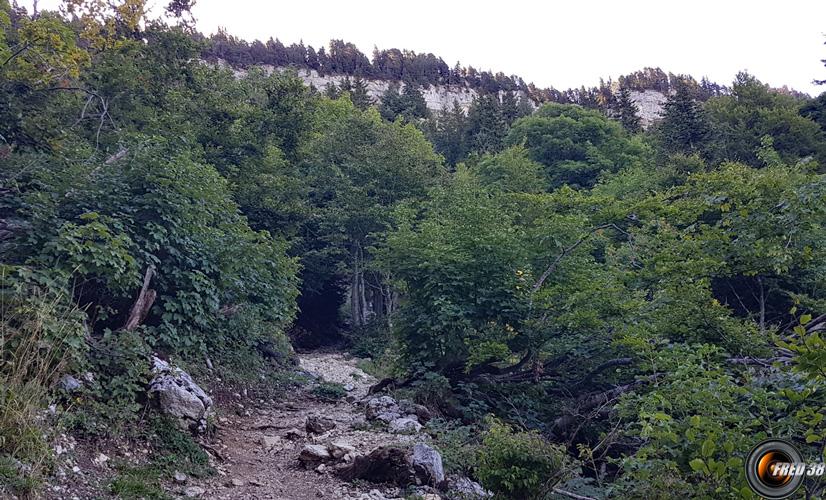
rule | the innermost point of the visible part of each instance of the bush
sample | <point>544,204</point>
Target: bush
<point>459,445</point>
<point>241,338</point>
<point>119,363</point>
<point>369,341</point>
<point>520,465</point>
<point>329,391</point>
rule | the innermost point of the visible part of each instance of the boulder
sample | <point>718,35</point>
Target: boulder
<point>318,425</point>
<point>70,384</point>
<point>386,464</point>
<point>178,396</point>
<point>427,464</point>
<point>391,464</point>
<point>464,488</point>
<point>405,425</point>
<point>339,449</point>
<point>421,412</point>
<point>383,408</point>
<point>313,453</point>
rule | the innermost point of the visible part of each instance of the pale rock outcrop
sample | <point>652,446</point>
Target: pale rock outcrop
<point>427,463</point>
<point>404,425</point>
<point>178,396</point>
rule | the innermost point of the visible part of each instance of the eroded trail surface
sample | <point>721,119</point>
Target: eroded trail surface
<point>260,445</point>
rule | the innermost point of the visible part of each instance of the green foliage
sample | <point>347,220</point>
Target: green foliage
<point>511,171</point>
<point>369,341</point>
<point>329,391</point>
<point>685,127</point>
<point>462,264</point>
<point>741,120</point>
<point>698,423</point>
<point>109,404</point>
<point>40,335</point>
<point>520,464</point>
<point>459,445</point>
<point>574,144</point>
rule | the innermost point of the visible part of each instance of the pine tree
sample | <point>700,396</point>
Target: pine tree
<point>486,126</point>
<point>331,91</point>
<point>685,128</point>
<point>524,107</point>
<point>447,131</point>
<point>358,94</point>
<point>414,103</point>
<point>626,111</point>
<point>510,109</point>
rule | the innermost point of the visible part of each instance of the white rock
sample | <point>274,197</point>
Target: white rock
<point>194,491</point>
<point>180,477</point>
<point>427,462</point>
<point>467,489</point>
<point>100,460</point>
<point>179,396</point>
<point>339,449</point>
<point>382,408</point>
<point>314,453</point>
<point>404,425</point>
<point>269,442</point>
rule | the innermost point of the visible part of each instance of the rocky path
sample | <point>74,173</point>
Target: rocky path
<point>260,446</point>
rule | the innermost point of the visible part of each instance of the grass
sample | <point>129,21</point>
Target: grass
<point>39,335</point>
<point>174,451</point>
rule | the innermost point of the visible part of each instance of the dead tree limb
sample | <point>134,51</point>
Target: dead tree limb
<point>142,304</point>
<point>570,249</point>
<point>571,495</point>
<point>601,368</point>
<point>588,403</point>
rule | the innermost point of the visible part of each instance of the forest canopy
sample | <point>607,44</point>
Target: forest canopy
<point>624,311</point>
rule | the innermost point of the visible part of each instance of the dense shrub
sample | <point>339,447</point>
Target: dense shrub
<point>519,464</point>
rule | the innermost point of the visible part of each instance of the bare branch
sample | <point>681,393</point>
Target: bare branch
<point>570,249</point>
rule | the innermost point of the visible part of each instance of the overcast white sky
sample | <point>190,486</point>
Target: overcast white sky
<point>556,43</point>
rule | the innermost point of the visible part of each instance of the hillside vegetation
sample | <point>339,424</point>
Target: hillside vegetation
<point>585,306</point>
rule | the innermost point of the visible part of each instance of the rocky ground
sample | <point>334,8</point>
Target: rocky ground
<point>307,444</point>
<point>261,446</point>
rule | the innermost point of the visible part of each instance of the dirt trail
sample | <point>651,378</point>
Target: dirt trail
<point>260,463</point>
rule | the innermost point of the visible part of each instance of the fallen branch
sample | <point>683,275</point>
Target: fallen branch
<point>571,495</point>
<point>588,403</point>
<point>142,304</point>
<point>767,362</point>
<point>601,368</point>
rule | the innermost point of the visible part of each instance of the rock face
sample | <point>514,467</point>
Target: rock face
<point>436,97</point>
<point>178,396</point>
<point>650,104</point>
<point>427,463</point>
